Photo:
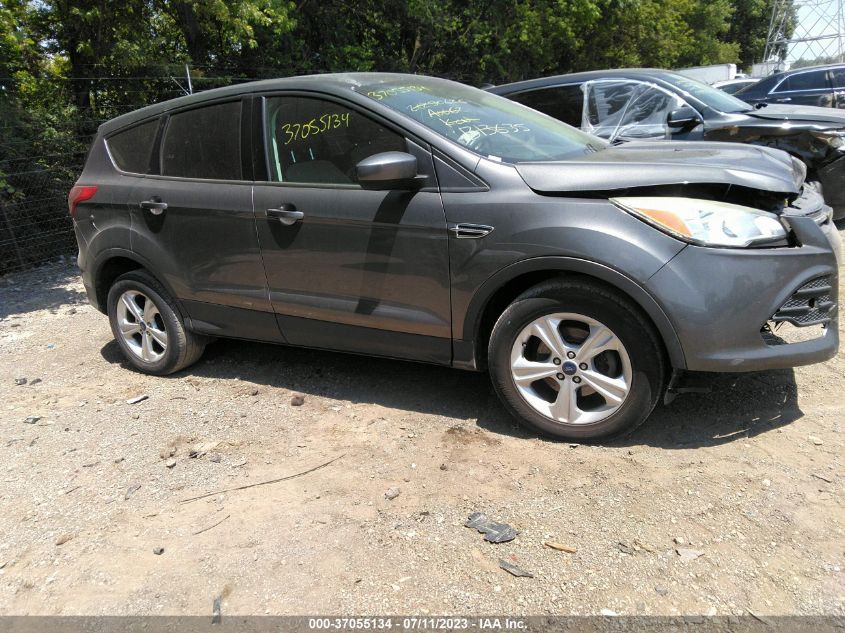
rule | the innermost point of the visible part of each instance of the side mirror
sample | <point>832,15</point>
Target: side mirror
<point>684,118</point>
<point>389,170</point>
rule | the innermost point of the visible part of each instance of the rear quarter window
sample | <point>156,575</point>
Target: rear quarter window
<point>132,149</point>
<point>204,143</point>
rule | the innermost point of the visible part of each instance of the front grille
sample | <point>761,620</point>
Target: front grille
<point>811,304</point>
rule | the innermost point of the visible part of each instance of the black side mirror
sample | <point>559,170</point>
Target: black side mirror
<point>389,170</point>
<point>684,118</point>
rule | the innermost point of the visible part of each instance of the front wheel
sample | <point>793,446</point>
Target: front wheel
<point>576,360</point>
<point>148,326</point>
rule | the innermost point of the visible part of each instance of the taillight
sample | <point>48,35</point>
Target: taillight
<point>79,193</point>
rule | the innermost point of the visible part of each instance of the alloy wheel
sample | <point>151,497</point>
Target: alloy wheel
<point>141,326</point>
<point>571,368</point>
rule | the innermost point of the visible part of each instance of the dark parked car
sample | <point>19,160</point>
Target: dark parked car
<point>822,86</point>
<point>417,218</point>
<point>637,104</point>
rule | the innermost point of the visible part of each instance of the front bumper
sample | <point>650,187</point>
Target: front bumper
<point>722,301</point>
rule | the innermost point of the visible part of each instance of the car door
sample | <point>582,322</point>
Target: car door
<point>628,110</point>
<point>349,269</point>
<point>192,220</point>
<point>811,87</point>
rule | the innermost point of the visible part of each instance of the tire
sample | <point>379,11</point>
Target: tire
<point>161,348</point>
<point>629,368</point>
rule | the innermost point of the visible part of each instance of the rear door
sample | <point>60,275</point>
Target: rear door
<point>362,271</point>
<point>193,221</point>
<point>811,87</point>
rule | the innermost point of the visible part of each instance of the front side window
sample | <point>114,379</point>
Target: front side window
<point>565,103</point>
<point>629,110</point>
<point>204,143</point>
<point>320,142</point>
<point>606,105</point>
<point>487,124</point>
<point>132,149</point>
<point>815,80</point>
<point>708,95</point>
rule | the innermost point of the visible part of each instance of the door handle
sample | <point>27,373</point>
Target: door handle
<point>783,99</point>
<point>154,205</point>
<point>286,214</point>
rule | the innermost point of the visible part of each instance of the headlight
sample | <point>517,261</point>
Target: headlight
<point>706,222</point>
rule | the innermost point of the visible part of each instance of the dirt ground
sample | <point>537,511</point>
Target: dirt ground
<point>726,503</point>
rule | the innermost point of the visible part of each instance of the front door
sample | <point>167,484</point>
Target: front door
<point>347,268</point>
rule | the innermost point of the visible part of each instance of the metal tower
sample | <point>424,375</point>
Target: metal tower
<point>818,31</point>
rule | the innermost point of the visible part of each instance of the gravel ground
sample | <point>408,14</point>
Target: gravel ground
<point>722,503</point>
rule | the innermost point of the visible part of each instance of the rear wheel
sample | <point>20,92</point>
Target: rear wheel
<point>576,360</point>
<point>148,327</point>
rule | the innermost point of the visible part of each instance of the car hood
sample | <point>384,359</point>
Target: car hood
<point>645,164</point>
<point>773,112</point>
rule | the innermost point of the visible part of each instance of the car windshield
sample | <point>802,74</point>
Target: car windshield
<point>487,124</point>
<point>708,95</point>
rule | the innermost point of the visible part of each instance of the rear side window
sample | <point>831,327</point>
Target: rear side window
<point>204,143</point>
<point>132,148</point>
<point>565,103</point>
<point>816,80</point>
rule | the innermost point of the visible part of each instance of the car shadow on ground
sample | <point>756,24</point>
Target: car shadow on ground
<point>739,405</point>
<point>40,289</point>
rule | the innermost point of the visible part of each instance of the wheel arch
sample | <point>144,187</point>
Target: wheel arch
<point>115,262</point>
<point>501,289</point>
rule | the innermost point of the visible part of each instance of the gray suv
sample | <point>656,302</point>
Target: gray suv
<point>417,218</point>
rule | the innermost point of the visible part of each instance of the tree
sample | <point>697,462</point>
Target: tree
<point>750,27</point>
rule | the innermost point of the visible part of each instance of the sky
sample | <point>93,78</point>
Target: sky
<point>818,18</point>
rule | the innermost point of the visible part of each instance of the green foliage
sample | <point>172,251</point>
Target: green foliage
<point>749,29</point>
<point>817,61</point>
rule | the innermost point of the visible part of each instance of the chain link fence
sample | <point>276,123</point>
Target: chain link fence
<point>34,223</point>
